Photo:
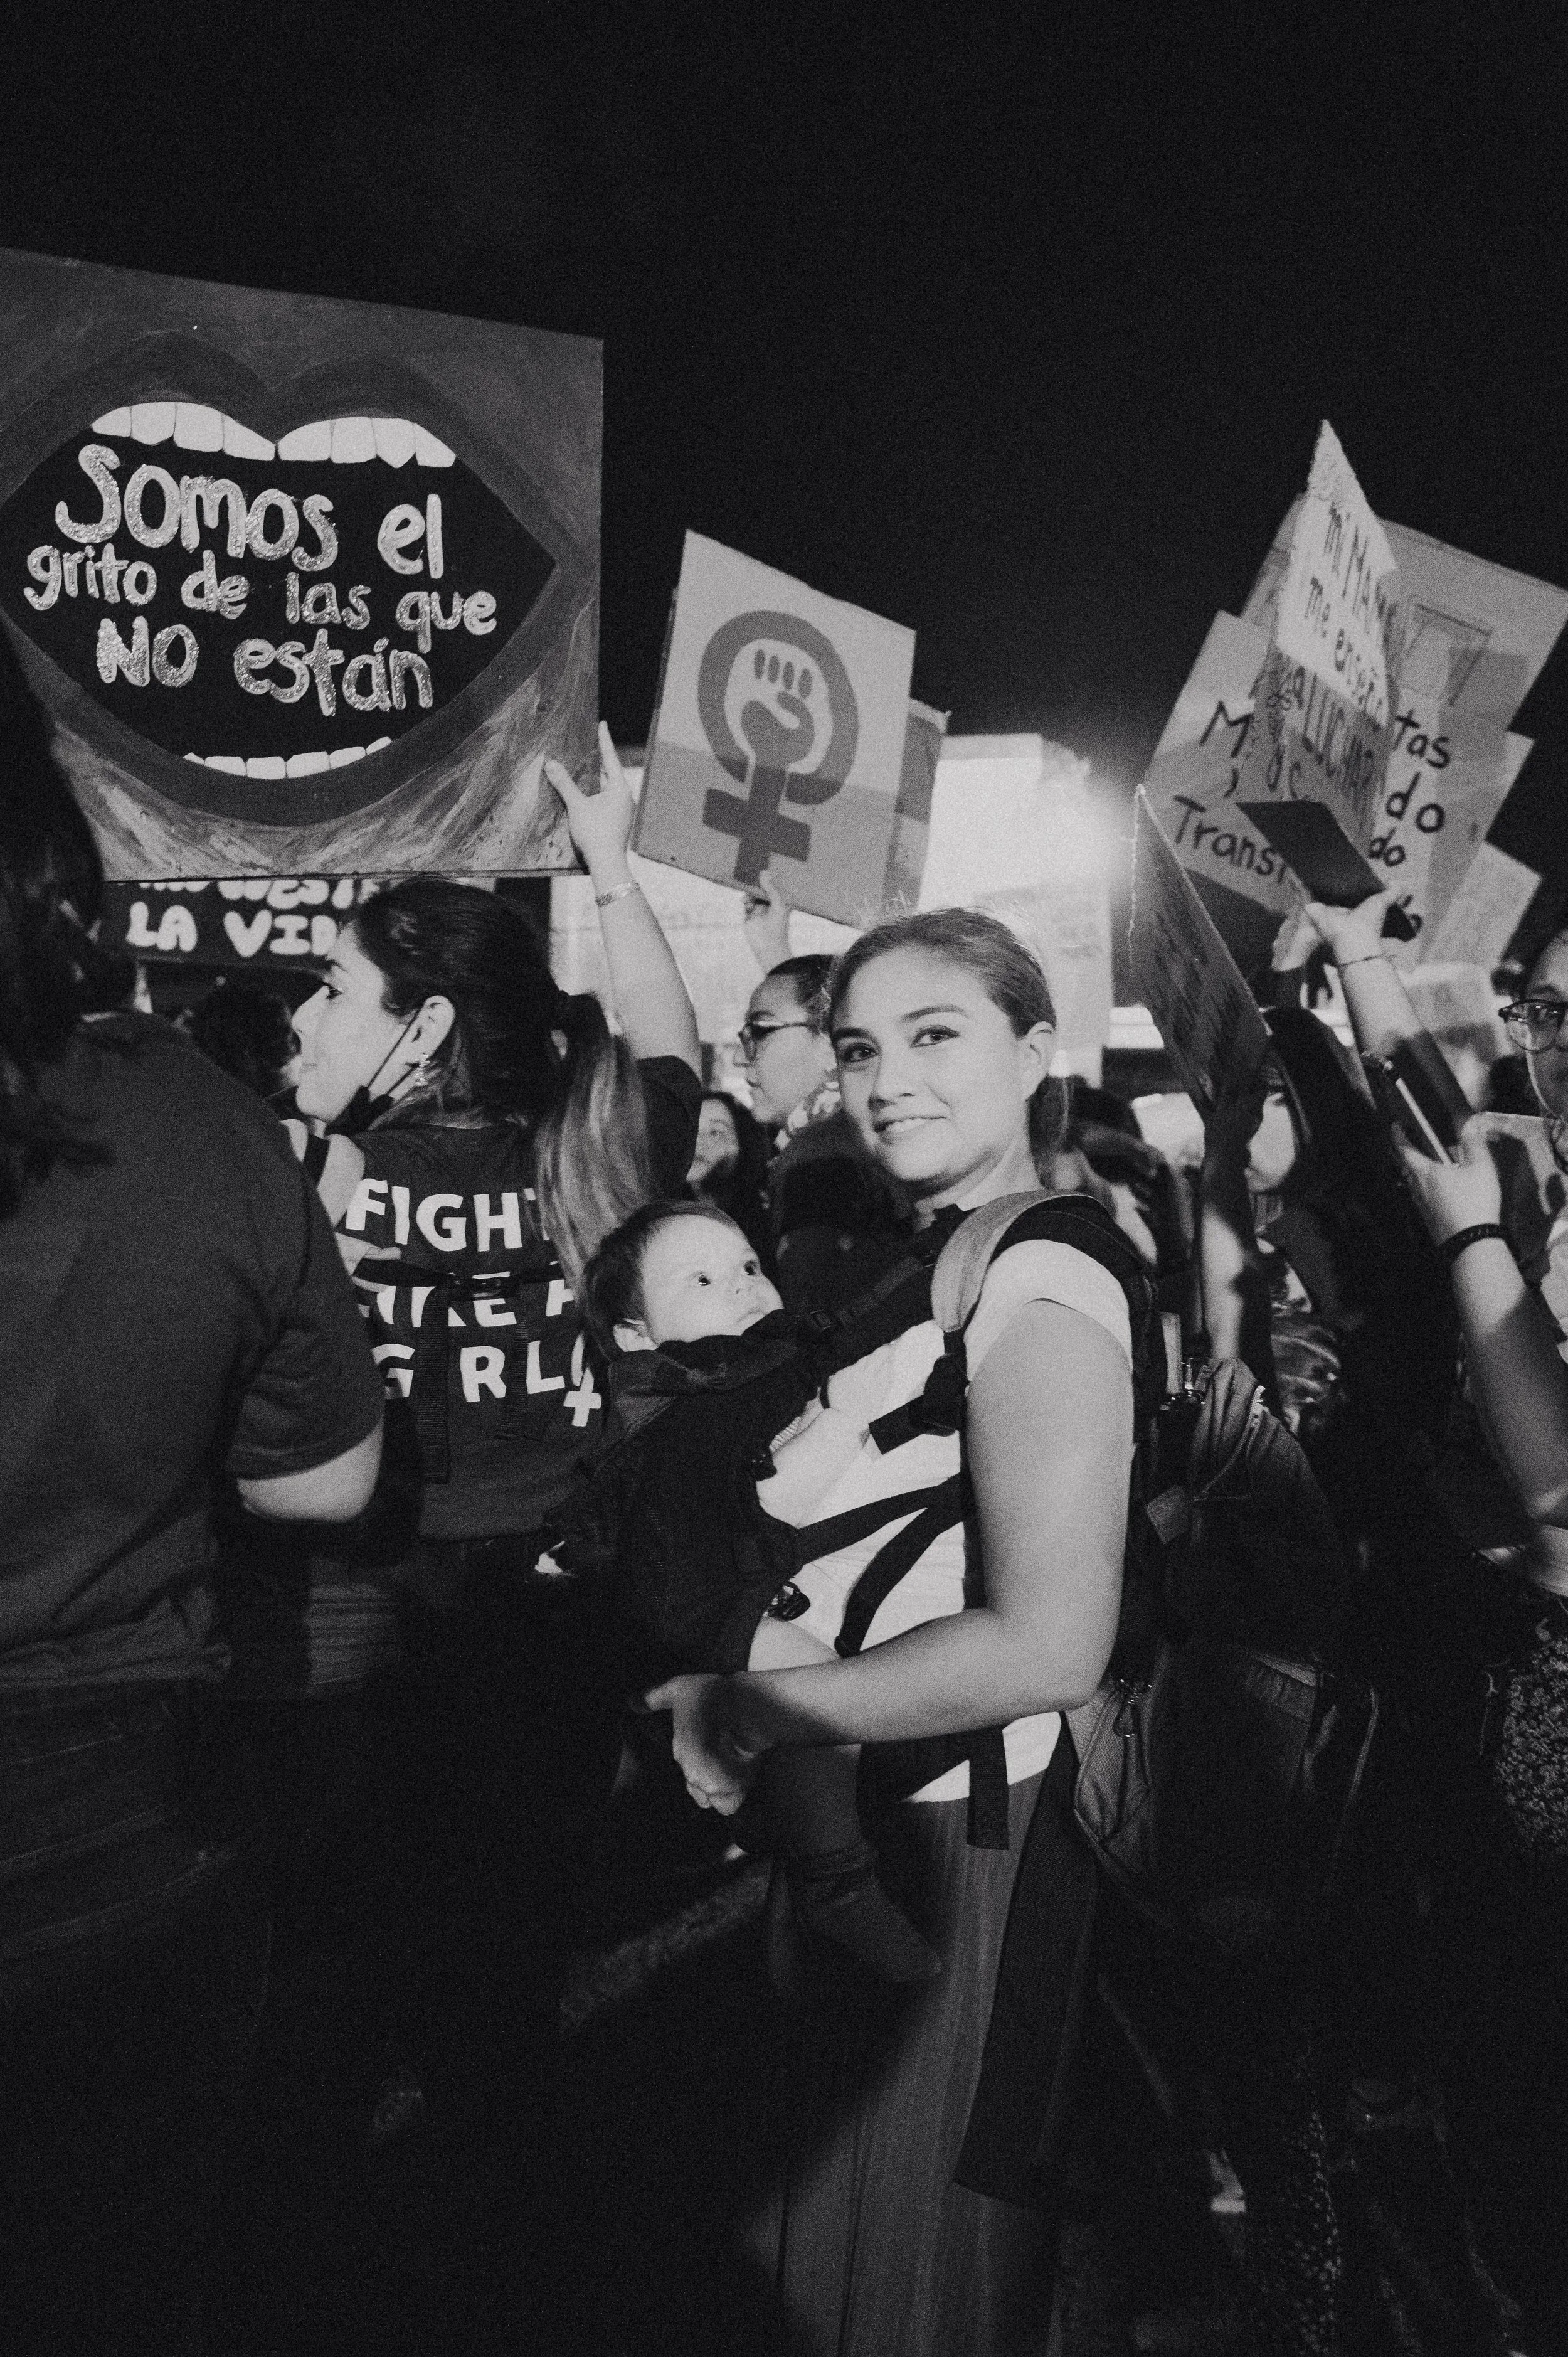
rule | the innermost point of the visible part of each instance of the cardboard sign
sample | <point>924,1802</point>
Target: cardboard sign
<point>264,921</point>
<point>1477,634</point>
<point>1192,784</point>
<point>780,739</point>
<point>1449,774</point>
<point>1186,975</point>
<point>924,733</point>
<point>305,587</point>
<point>1330,691</point>
<point>1484,913</point>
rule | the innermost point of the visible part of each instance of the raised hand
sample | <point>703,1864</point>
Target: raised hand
<point>1349,933</point>
<point>1465,1193</point>
<point>600,820</point>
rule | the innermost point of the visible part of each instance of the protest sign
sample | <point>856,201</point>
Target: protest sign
<point>1186,975</point>
<point>1449,774</point>
<point>1477,633</point>
<point>305,587</point>
<point>260,921</point>
<point>780,738</point>
<point>1484,913</point>
<point>1192,782</point>
<point>1329,693</point>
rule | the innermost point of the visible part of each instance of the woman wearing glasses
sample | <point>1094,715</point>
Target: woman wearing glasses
<point>836,1217</point>
<point>1502,1879</point>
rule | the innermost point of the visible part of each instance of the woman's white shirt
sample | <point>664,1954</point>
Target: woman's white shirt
<point>933,1588</point>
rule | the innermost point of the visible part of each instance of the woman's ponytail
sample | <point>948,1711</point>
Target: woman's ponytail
<point>591,1158</point>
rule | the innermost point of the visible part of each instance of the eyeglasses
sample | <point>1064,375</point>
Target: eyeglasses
<point>752,1035</point>
<point>1535,1022</point>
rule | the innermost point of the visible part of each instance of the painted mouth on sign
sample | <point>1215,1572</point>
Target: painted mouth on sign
<point>256,622</point>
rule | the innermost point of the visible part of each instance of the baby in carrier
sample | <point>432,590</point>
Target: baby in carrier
<point>720,1425</point>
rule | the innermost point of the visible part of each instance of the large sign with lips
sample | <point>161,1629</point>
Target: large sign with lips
<point>307,586</point>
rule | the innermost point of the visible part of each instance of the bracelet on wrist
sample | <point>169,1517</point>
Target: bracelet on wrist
<point>617,892</point>
<point>1451,1247</point>
<point>1367,957</point>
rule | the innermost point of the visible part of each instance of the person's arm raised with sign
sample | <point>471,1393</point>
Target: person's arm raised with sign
<point>650,998</point>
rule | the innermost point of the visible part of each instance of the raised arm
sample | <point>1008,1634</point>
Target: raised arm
<point>1376,999</point>
<point>1510,1342</point>
<point>1232,1280</point>
<point>1050,1443</point>
<point>650,998</point>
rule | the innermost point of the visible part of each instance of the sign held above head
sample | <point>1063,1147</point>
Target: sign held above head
<point>305,586</point>
<point>1328,697</point>
<point>1186,975</point>
<point>785,739</point>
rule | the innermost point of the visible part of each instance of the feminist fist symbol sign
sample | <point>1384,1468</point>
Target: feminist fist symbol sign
<point>789,681</point>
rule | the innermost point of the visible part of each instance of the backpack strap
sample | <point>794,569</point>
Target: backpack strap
<point>429,1389</point>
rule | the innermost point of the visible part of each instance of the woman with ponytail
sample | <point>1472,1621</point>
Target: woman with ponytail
<point>487,1133</point>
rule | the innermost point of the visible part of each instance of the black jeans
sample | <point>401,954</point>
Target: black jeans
<point>133,1967</point>
<point>498,1739</point>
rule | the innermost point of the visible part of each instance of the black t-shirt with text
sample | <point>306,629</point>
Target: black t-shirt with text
<point>175,1312</point>
<point>501,1390</point>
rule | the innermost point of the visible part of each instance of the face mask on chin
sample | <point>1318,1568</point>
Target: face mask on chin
<point>367,1102</point>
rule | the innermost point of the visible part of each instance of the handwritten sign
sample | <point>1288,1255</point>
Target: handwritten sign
<point>1449,774</point>
<point>256,920</point>
<point>1329,693</point>
<point>304,584</point>
<point>1192,784</point>
<point>1477,634</point>
<point>1186,975</point>
<point>780,738</point>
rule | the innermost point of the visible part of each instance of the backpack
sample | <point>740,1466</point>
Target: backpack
<point>1219,1761</point>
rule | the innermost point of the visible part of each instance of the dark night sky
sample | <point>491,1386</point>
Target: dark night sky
<point>1014,323</point>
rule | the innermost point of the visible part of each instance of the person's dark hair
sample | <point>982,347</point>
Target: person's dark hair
<point>1011,977</point>
<point>247,1031</point>
<point>52,884</point>
<point>612,1282</point>
<point>583,1104</point>
<point>1089,1107</point>
<point>807,978</point>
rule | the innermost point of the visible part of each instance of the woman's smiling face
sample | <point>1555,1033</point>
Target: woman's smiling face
<point>936,1079</point>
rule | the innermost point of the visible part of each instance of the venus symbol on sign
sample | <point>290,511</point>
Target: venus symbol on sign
<point>778,684</point>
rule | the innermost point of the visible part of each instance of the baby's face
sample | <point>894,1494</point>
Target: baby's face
<point>699,1276</point>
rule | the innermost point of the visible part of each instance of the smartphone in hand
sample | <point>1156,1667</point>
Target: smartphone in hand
<point>1397,1103</point>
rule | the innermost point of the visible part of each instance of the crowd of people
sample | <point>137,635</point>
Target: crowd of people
<point>396,1394</point>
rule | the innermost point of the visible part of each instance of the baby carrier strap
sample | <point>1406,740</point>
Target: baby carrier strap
<point>962,1248</point>
<point>429,1388</point>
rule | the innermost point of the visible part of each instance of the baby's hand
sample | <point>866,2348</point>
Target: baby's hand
<point>858,1392</point>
